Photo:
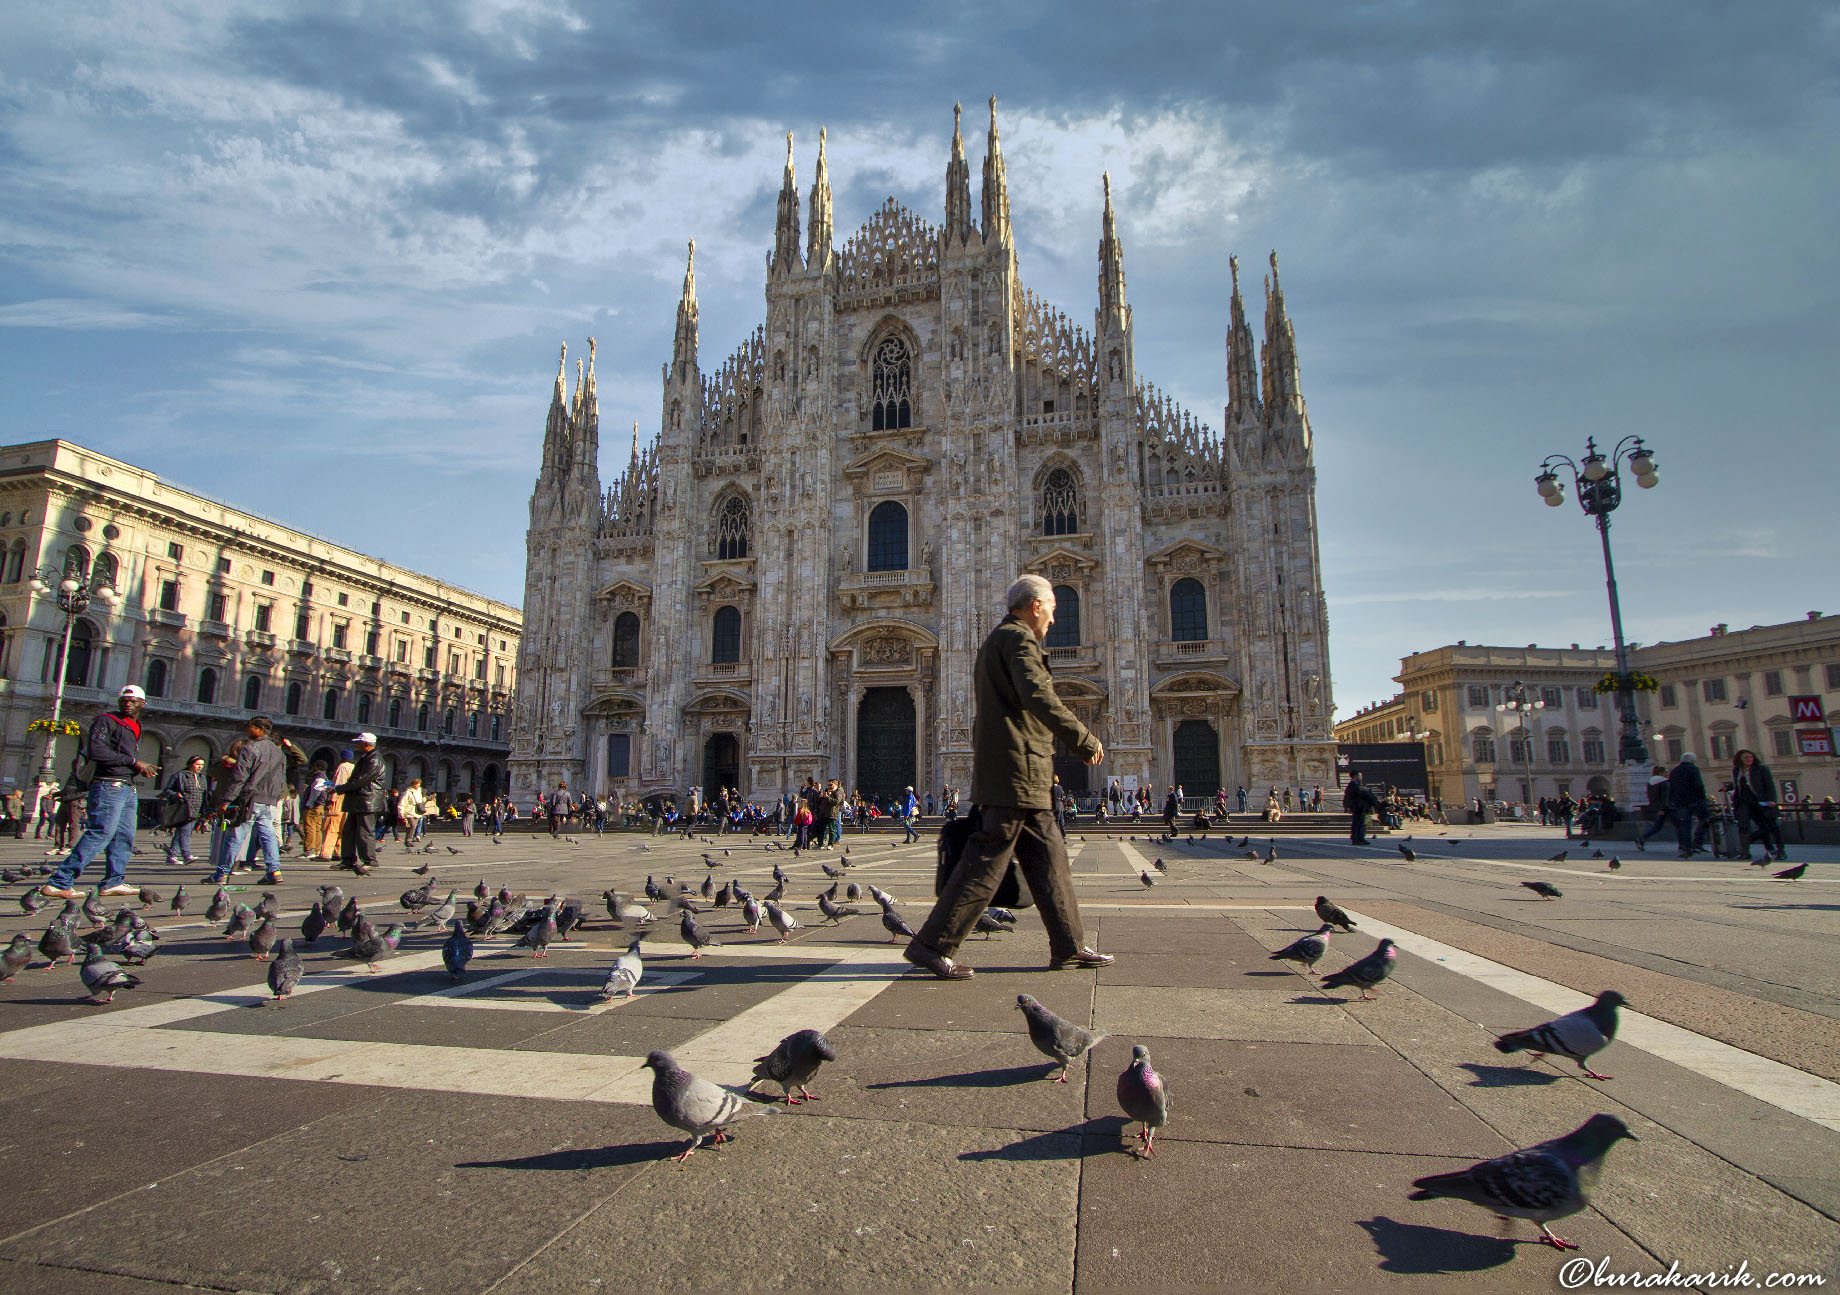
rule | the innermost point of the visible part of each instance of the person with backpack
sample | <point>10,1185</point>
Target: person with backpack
<point>1687,802</point>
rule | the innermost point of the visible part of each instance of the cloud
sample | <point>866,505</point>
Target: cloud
<point>69,312</point>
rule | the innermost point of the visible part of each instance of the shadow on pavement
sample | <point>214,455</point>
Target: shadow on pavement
<point>1508,1076</point>
<point>637,1153</point>
<point>976,1078</point>
<point>1062,1144</point>
<point>1824,908</point>
<point>1413,1248</point>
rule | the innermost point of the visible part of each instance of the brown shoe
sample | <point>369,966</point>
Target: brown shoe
<point>942,967</point>
<point>1083,960</point>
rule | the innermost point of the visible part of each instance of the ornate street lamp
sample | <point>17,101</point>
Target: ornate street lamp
<point>74,589</point>
<point>1518,702</point>
<point>1598,480</point>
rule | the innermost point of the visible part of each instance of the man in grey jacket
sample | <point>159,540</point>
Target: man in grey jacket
<point>253,795</point>
<point>366,793</point>
<point>1012,776</point>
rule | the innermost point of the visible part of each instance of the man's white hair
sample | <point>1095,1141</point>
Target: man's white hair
<point>1026,590</point>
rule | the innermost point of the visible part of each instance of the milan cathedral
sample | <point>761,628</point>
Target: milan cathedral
<point>793,578</point>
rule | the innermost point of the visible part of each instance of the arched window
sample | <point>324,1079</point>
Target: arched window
<point>108,570</point>
<point>732,529</point>
<point>888,537</point>
<point>726,635</point>
<point>207,686</point>
<point>291,699</point>
<point>156,678</point>
<point>625,640</point>
<point>1060,504</point>
<point>76,561</point>
<point>1187,611</point>
<point>396,712</point>
<point>496,722</point>
<point>252,692</point>
<point>1065,632</point>
<point>364,708</point>
<point>472,725</point>
<point>16,562</point>
<point>447,721</point>
<point>6,646</point>
<point>421,718</point>
<point>82,643</point>
<point>329,708</point>
<point>891,391</point>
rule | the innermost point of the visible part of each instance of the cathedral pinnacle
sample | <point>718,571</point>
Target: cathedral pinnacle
<point>1113,313</point>
<point>562,367</point>
<point>996,185</point>
<point>1283,390</point>
<point>958,183</point>
<point>818,250</point>
<point>1242,364</point>
<point>683,348</point>
<point>786,226</point>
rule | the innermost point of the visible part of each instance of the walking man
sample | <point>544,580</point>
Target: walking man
<point>254,789</point>
<point>1687,798</point>
<point>366,792</point>
<point>1359,802</point>
<point>1018,718</point>
<point>910,814</point>
<point>113,742</point>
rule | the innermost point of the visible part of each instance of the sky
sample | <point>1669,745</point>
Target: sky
<point>241,242</point>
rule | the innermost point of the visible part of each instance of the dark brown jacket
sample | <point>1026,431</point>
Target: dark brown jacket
<point>1018,718</point>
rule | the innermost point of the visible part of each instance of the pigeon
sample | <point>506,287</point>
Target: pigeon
<point>782,922</point>
<point>135,946</point>
<point>1333,915</point>
<point>1615,863</point>
<point>694,1105</point>
<point>179,901</point>
<point>1143,1096</point>
<point>452,850</point>
<point>779,891</point>
<point>793,1064</point>
<point>627,970</point>
<point>331,900</point>
<point>1584,845</point>
<point>1411,856</point>
<point>1307,951</point>
<point>707,860</point>
<point>1367,972</point>
<point>568,917</point>
<point>1597,854</point>
<point>1544,889</point>
<point>372,948</point>
<point>1148,878</point>
<point>268,906</point>
<point>483,891</point>
<point>456,952</point>
<point>1243,842</point>
<point>1578,1035</point>
<point>988,925</point>
<point>1791,874</point>
<point>100,976</point>
<point>1271,852</point>
<point>541,934</point>
<point>29,902</point>
<point>55,943</point>
<point>241,920</point>
<point>882,897</point>
<point>445,913</point>
<point>262,939</point>
<point>653,891</point>
<point>313,925</point>
<point>92,907</point>
<point>1159,865</point>
<point>420,897</point>
<point>830,871</point>
<point>148,897</point>
<point>17,955</point>
<point>1002,915</point>
<point>852,891</point>
<point>1559,857</point>
<point>1762,860</point>
<point>709,886</point>
<point>779,873</point>
<point>695,936</point>
<point>1552,1180</point>
<point>349,915</point>
<point>895,926</point>
<point>284,971</point>
<point>835,912</point>
<point>1061,1040</point>
<point>725,896</point>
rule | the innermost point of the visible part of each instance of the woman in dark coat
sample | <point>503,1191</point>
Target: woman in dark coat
<point>1753,801</point>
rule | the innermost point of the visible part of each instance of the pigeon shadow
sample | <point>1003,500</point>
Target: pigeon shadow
<point>1062,1144</point>
<point>1270,973</point>
<point>1824,908</point>
<point>1415,1249</point>
<point>577,1158</point>
<point>1321,999</point>
<point>1508,1076</point>
<point>1007,1078</point>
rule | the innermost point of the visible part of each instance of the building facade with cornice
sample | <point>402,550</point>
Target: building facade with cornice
<point>793,576</point>
<point>226,614</point>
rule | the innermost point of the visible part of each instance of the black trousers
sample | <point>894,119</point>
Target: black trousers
<point>1762,824</point>
<point>1034,839</point>
<point>357,840</point>
<point>1357,832</point>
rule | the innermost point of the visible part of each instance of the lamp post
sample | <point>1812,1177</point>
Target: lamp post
<point>73,590</point>
<point>1598,480</point>
<point>1518,702</point>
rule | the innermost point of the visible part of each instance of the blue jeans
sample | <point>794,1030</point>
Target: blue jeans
<point>108,825</point>
<point>908,825</point>
<point>263,821</point>
<point>181,846</point>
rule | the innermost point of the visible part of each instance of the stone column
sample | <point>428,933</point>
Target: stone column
<point>918,693</point>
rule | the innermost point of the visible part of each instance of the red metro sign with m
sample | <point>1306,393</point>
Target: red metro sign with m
<point>1806,710</point>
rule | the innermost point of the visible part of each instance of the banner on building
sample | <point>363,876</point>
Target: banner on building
<point>1400,765</point>
<point>1815,741</point>
<point>1806,710</point>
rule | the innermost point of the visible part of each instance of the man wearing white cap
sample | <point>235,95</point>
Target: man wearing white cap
<point>112,805</point>
<point>366,792</point>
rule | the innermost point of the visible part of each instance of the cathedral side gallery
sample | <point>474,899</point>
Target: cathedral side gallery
<point>792,578</point>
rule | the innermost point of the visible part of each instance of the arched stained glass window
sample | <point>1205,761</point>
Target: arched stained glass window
<point>725,637</point>
<point>1065,632</point>
<point>732,528</point>
<point>1060,504</point>
<point>891,392</point>
<point>888,537</point>
<point>1187,611</point>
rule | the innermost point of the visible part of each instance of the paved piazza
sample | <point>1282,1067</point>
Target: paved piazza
<point>395,1132</point>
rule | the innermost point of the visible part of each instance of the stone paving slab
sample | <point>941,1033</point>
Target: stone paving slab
<point>1253,1014</point>
<point>35,1279</point>
<point>965,1078</point>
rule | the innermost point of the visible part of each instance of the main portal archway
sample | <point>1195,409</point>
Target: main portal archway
<point>721,764</point>
<point>885,725</point>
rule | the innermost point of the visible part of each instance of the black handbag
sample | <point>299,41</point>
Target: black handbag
<point>953,838</point>
<point>172,812</point>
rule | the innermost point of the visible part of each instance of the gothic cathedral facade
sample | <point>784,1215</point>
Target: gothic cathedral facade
<point>794,577</point>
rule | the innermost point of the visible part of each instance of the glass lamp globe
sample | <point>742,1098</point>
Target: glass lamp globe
<point>1648,480</point>
<point>1547,483</point>
<point>1642,463</point>
<point>68,584</point>
<point>1595,469</point>
<point>1554,499</point>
